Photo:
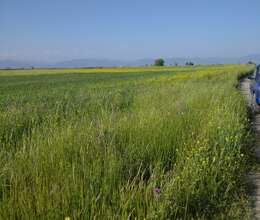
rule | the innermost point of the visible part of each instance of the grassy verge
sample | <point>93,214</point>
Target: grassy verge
<point>92,144</point>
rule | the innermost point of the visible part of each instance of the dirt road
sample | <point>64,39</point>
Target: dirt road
<point>254,177</point>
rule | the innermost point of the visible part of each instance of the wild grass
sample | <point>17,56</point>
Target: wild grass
<point>123,143</point>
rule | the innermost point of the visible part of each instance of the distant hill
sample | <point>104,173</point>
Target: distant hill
<point>255,58</point>
<point>21,64</point>
<point>139,62</point>
<point>89,63</point>
<point>13,64</point>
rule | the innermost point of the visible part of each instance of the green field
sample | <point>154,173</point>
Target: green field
<point>123,143</point>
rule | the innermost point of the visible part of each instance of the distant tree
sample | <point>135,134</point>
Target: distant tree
<point>175,64</point>
<point>159,62</point>
<point>189,63</point>
<point>251,62</point>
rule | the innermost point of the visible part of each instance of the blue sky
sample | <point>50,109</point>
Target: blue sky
<point>54,30</point>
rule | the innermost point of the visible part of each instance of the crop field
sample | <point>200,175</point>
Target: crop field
<point>123,143</point>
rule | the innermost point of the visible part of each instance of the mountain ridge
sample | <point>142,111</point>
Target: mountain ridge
<point>95,62</point>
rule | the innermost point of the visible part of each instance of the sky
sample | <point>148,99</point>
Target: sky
<point>56,30</point>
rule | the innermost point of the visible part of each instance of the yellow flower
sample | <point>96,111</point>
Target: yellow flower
<point>67,218</point>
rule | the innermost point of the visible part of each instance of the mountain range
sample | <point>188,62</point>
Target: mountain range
<point>90,62</point>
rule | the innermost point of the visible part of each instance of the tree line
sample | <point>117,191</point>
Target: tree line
<point>161,62</point>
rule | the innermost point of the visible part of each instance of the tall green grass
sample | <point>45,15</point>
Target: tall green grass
<point>105,144</point>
